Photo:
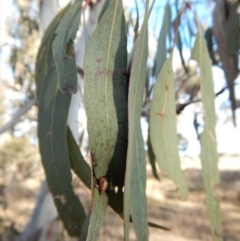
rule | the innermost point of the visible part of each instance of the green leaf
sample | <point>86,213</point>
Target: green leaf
<point>163,127</point>
<point>136,24</point>
<point>63,48</point>
<point>52,118</point>
<point>209,157</point>
<point>138,208</point>
<point>103,10</point>
<point>84,231</point>
<point>105,90</point>
<point>77,162</point>
<point>44,56</point>
<point>210,45</point>
<point>100,203</point>
<point>135,98</point>
<point>152,158</point>
<point>232,29</point>
<point>161,54</point>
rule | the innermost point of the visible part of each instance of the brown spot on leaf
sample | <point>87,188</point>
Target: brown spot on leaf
<point>217,234</point>
<point>161,114</point>
<point>61,198</point>
<point>166,87</point>
<point>99,60</point>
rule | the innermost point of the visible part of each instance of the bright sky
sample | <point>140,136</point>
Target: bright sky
<point>228,136</point>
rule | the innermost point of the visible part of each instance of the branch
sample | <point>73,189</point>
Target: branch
<point>24,109</point>
<point>181,107</point>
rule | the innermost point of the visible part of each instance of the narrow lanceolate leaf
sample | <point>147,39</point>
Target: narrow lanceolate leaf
<point>63,49</point>
<point>152,158</point>
<point>77,162</point>
<point>163,127</point>
<point>84,231</point>
<point>105,91</point>
<point>135,99</point>
<point>138,207</point>
<point>44,56</point>
<point>161,54</point>
<point>52,117</point>
<point>100,203</point>
<point>209,156</point>
<point>136,24</point>
<point>103,10</point>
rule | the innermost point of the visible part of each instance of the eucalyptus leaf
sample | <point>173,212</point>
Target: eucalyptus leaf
<point>209,156</point>
<point>103,10</point>
<point>105,93</point>
<point>44,55</point>
<point>77,162</point>
<point>84,231</point>
<point>135,101</point>
<point>136,24</point>
<point>138,208</point>
<point>63,48</point>
<point>161,54</point>
<point>52,117</point>
<point>163,127</point>
<point>152,158</point>
<point>100,203</point>
<point>232,29</point>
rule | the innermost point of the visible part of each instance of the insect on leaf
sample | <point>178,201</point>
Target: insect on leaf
<point>208,141</point>
<point>163,127</point>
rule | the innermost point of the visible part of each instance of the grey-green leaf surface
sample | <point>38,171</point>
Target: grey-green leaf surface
<point>163,127</point>
<point>84,231</point>
<point>103,10</point>
<point>138,207</point>
<point>105,87</point>
<point>152,158</point>
<point>100,203</point>
<point>135,101</point>
<point>232,29</point>
<point>136,24</point>
<point>208,141</point>
<point>77,162</point>
<point>63,49</point>
<point>52,117</point>
<point>44,56</point>
<point>161,54</point>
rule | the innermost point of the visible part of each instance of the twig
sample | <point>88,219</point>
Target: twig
<point>181,107</point>
<point>17,115</point>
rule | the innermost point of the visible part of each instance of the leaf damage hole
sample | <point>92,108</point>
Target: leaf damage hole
<point>61,198</point>
<point>116,189</point>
